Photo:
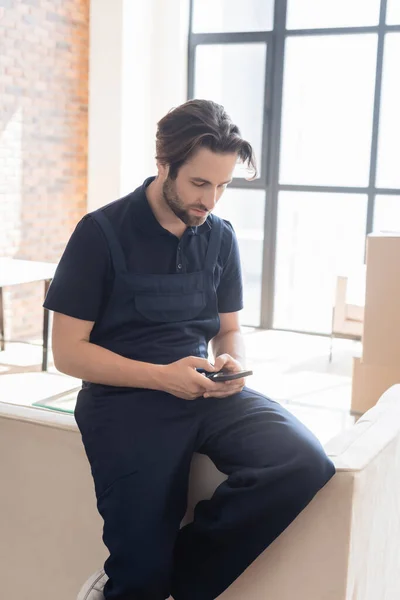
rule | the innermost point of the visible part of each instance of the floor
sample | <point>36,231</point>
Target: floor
<point>289,367</point>
<point>294,369</point>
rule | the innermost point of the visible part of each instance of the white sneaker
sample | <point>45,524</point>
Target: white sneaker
<point>93,588</point>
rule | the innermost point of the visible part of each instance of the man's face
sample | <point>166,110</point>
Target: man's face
<point>199,185</point>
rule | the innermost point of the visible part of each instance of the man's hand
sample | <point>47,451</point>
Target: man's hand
<point>227,363</point>
<point>181,379</point>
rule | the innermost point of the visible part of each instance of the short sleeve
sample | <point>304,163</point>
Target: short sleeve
<point>80,283</point>
<point>230,289</point>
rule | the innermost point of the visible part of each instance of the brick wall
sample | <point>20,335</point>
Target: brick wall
<point>43,139</point>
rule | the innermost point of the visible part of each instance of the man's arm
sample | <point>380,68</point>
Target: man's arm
<point>230,301</point>
<point>229,339</point>
<point>75,355</point>
<point>229,354</point>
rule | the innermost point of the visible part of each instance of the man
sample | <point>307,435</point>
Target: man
<point>145,283</point>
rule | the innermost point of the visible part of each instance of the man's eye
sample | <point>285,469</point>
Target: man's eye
<point>197,184</point>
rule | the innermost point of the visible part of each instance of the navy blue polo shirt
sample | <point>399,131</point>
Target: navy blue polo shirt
<point>83,280</point>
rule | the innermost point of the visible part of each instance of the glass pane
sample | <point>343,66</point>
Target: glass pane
<point>393,12</point>
<point>387,213</point>
<point>316,14</point>
<point>319,236</point>
<point>388,174</point>
<point>327,110</point>
<point>245,210</point>
<point>210,16</point>
<point>233,75</point>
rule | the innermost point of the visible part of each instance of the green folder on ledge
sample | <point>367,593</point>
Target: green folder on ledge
<point>64,402</point>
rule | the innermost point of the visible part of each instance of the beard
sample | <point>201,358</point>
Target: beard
<point>176,204</point>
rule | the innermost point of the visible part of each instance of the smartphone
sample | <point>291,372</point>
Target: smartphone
<point>221,376</point>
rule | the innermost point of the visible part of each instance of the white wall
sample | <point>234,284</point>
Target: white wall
<point>138,71</point>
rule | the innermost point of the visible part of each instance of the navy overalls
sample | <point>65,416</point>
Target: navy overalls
<point>140,444</point>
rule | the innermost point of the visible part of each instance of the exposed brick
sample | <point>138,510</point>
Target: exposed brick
<point>14,90</point>
<point>7,3</point>
<point>43,154</point>
<point>57,18</point>
<point>29,19</point>
<point>63,46</point>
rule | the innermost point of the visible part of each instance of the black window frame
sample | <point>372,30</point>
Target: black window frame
<point>271,140</point>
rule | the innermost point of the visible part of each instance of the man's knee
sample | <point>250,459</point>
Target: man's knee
<point>313,470</point>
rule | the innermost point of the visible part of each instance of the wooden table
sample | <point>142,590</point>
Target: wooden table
<point>16,272</point>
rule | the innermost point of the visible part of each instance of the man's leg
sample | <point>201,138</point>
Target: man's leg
<point>275,467</point>
<point>140,447</point>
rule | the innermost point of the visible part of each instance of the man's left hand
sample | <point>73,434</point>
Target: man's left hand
<point>227,363</point>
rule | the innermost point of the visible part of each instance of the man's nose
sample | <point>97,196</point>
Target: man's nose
<point>210,198</point>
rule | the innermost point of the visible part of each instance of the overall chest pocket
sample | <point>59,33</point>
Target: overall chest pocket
<point>169,298</point>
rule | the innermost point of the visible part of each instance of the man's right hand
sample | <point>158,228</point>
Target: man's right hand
<point>181,379</point>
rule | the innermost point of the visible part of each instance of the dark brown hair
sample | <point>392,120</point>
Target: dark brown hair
<point>199,124</point>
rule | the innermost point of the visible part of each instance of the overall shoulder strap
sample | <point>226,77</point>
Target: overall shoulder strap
<point>214,244</point>
<point>117,254</point>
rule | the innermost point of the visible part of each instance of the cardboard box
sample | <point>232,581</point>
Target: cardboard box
<point>369,383</point>
<point>381,335</point>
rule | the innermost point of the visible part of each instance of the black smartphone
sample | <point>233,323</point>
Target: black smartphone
<point>221,376</point>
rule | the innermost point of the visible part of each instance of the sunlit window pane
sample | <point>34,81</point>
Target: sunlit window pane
<point>393,12</point>
<point>316,14</point>
<point>327,110</point>
<point>245,210</point>
<point>388,174</point>
<point>387,213</point>
<point>210,16</point>
<point>319,237</point>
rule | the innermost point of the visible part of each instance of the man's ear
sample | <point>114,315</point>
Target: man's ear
<point>163,171</point>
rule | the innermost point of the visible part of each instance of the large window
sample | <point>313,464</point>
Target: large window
<point>314,87</point>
